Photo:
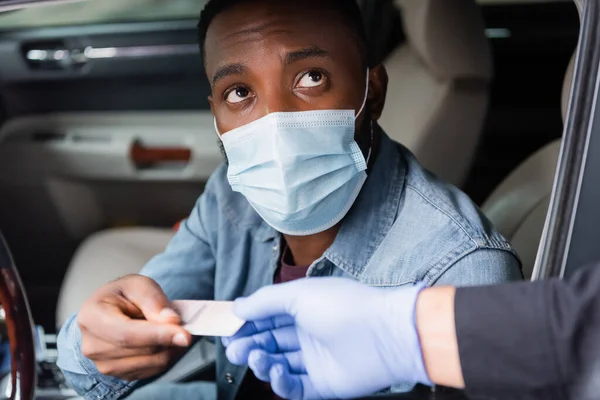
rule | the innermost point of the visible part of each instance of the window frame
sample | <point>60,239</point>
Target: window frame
<point>568,241</point>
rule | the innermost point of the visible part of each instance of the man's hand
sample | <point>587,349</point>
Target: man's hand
<point>129,331</point>
<point>321,338</point>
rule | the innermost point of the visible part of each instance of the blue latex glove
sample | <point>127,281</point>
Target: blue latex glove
<point>324,338</point>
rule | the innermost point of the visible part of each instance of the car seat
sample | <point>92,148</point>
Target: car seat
<point>519,205</point>
<point>439,84</point>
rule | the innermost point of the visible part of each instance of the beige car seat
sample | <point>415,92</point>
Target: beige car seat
<point>518,207</point>
<point>439,83</point>
<point>106,256</point>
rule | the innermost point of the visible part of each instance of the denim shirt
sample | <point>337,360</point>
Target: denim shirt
<point>406,226</point>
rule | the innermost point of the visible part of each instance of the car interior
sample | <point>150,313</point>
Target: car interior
<point>107,139</point>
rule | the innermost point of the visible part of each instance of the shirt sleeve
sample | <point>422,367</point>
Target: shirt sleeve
<point>185,270</point>
<point>531,337</point>
<point>482,267</point>
<point>81,373</point>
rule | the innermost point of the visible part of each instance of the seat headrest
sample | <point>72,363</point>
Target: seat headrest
<point>441,32</point>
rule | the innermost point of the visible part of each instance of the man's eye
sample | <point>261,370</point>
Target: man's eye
<point>311,79</point>
<point>238,95</point>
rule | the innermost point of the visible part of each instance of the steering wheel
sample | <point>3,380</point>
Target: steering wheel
<point>19,327</point>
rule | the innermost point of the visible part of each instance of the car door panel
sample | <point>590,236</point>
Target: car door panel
<point>95,142</point>
<point>90,156</point>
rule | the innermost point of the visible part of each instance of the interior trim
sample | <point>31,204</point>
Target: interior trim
<point>10,5</point>
<point>91,53</point>
<point>97,146</point>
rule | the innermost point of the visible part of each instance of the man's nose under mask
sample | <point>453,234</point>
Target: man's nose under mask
<point>300,171</point>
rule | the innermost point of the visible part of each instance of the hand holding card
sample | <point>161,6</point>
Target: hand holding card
<point>208,318</point>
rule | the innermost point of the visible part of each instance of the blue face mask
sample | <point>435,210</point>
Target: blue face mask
<point>300,171</point>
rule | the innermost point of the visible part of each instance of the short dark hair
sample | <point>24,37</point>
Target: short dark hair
<point>349,9</point>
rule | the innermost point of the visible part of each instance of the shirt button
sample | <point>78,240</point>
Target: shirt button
<point>229,378</point>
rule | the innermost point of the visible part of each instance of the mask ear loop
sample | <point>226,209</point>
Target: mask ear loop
<point>371,145</point>
<point>361,110</point>
<point>362,107</point>
<point>216,127</point>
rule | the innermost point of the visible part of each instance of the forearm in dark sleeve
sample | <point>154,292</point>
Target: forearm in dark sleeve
<point>529,337</point>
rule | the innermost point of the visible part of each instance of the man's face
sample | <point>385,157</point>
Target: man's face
<point>271,56</point>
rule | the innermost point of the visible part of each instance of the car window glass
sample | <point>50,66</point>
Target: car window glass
<point>101,11</point>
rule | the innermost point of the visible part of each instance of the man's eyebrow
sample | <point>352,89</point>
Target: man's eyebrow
<point>230,69</point>
<point>289,58</point>
<point>309,52</point>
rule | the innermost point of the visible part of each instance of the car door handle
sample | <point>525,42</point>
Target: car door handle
<point>145,156</point>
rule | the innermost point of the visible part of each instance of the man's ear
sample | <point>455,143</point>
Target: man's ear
<point>378,83</point>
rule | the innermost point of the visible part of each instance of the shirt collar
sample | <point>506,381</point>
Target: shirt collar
<point>373,214</point>
<point>370,218</point>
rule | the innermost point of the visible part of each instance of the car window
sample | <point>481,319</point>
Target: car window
<point>101,11</point>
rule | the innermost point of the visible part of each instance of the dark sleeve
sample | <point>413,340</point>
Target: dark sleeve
<point>531,337</point>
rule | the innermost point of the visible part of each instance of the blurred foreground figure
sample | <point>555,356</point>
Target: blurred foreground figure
<point>322,338</point>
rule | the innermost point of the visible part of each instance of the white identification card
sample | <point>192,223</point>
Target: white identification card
<point>208,318</point>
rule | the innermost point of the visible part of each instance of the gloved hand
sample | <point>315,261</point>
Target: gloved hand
<point>324,338</point>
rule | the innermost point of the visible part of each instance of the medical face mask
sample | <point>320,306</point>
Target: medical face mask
<point>300,171</point>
